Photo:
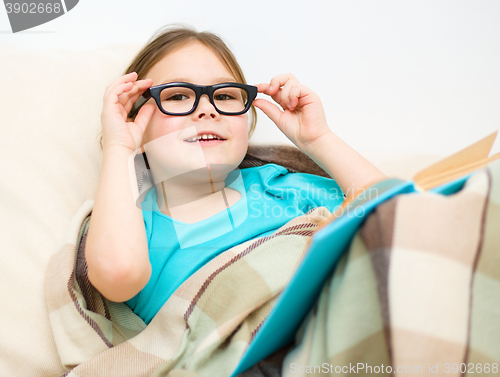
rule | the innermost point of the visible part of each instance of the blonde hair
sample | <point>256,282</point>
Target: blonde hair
<point>172,37</point>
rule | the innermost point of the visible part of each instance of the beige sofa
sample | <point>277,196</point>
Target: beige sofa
<point>50,105</point>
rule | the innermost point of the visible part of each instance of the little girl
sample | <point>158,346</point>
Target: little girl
<point>184,104</point>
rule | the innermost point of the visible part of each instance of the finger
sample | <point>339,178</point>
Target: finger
<point>129,77</point>
<point>281,95</point>
<point>279,81</point>
<point>130,103</point>
<point>112,97</point>
<point>285,94</point>
<point>263,87</point>
<point>270,109</point>
<point>129,98</point>
<point>140,85</point>
<point>278,99</point>
<point>303,96</point>
<point>144,115</point>
<point>120,93</point>
<point>295,95</point>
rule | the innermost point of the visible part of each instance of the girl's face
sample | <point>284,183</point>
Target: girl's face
<point>165,137</point>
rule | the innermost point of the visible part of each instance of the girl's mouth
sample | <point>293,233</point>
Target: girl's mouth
<point>205,140</point>
<point>205,143</point>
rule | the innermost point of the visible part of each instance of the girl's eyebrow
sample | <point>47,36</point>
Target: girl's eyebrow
<point>182,79</point>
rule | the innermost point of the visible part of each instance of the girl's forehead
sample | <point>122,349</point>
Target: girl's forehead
<point>193,62</point>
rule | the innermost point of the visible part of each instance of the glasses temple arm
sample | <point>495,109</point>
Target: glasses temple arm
<point>138,104</point>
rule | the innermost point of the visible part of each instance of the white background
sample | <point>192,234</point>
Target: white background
<point>395,76</point>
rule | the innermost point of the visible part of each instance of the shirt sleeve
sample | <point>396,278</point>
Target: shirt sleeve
<point>311,191</point>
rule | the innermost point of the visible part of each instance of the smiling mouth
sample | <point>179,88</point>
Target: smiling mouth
<point>205,140</point>
<point>205,143</point>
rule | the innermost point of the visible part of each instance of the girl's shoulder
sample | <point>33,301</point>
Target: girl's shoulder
<point>270,169</point>
<point>279,177</point>
<point>264,174</point>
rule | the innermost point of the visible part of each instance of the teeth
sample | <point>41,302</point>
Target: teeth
<point>204,137</point>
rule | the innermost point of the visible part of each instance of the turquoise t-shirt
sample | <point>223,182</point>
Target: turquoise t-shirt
<point>270,197</point>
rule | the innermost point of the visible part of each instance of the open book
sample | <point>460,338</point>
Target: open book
<point>445,177</point>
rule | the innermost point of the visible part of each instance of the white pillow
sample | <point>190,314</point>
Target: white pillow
<point>50,105</point>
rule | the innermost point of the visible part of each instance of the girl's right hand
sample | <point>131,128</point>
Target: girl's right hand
<point>119,97</point>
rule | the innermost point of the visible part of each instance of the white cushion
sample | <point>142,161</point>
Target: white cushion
<point>50,104</point>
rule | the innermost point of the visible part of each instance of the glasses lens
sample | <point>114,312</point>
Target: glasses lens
<point>177,100</point>
<point>230,99</point>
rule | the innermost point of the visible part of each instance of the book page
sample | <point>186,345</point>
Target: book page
<point>467,160</point>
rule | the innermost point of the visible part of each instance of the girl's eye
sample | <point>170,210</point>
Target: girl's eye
<point>177,97</point>
<point>223,97</point>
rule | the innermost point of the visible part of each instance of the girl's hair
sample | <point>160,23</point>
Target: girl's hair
<point>170,38</point>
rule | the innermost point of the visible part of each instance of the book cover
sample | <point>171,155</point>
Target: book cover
<point>445,177</point>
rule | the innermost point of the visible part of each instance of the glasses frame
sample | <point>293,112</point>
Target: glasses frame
<point>154,92</point>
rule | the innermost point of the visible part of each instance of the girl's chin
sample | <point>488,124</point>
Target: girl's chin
<point>210,172</point>
<point>209,164</point>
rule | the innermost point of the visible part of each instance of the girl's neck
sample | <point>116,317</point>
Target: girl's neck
<point>195,195</point>
<point>196,205</point>
<point>172,194</point>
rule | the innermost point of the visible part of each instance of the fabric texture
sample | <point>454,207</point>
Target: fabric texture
<point>204,327</point>
<point>51,162</point>
<point>418,291</point>
<point>418,287</point>
<point>270,197</point>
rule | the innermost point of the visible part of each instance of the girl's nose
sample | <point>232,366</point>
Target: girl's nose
<point>205,109</point>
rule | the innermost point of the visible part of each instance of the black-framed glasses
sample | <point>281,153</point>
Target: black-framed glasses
<point>182,98</point>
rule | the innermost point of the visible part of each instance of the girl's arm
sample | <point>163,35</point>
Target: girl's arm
<point>116,249</point>
<point>303,121</point>
<point>349,169</point>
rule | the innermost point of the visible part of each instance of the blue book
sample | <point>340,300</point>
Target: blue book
<point>445,177</point>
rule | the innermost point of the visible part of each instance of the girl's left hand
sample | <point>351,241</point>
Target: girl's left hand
<point>303,120</point>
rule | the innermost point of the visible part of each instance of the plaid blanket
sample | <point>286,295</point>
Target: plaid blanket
<point>417,293</point>
<point>202,330</point>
